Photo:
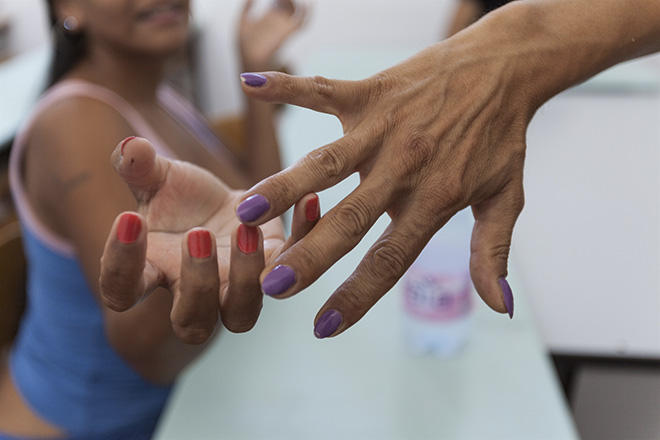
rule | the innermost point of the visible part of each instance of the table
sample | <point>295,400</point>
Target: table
<point>279,382</point>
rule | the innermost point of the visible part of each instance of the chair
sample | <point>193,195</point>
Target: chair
<point>12,282</point>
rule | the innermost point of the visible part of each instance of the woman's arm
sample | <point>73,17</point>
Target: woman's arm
<point>74,188</point>
<point>259,40</point>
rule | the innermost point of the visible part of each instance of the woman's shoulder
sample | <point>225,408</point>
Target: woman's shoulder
<point>69,117</point>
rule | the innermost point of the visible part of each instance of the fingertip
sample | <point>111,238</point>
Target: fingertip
<point>199,243</point>
<point>248,238</point>
<point>507,296</point>
<point>328,324</point>
<point>123,144</point>
<point>278,280</point>
<point>241,302</point>
<point>194,314</point>
<point>133,156</point>
<point>129,227</point>
<point>253,79</point>
<point>252,208</point>
<point>494,290</point>
<point>192,336</point>
<point>121,280</point>
<point>312,208</point>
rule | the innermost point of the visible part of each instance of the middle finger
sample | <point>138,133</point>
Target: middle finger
<point>336,233</point>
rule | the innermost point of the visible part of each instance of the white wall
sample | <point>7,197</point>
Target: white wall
<point>29,27</point>
<point>371,23</point>
<point>377,23</point>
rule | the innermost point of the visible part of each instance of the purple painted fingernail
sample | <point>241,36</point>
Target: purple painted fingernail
<point>327,324</point>
<point>253,79</point>
<point>278,280</point>
<point>507,296</point>
<point>252,208</point>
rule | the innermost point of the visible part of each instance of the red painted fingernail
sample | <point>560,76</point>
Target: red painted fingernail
<point>248,239</point>
<point>125,141</point>
<point>199,243</point>
<point>312,208</point>
<point>129,227</point>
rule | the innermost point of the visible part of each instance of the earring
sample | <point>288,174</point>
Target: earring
<point>70,24</point>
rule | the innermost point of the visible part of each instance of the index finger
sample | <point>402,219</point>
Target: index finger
<point>317,93</point>
<point>318,170</point>
<point>124,281</point>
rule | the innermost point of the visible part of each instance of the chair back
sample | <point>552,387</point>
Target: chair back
<point>12,282</point>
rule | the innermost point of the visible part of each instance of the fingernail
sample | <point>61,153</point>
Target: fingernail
<point>124,142</point>
<point>128,229</point>
<point>312,209</point>
<point>327,324</point>
<point>199,243</point>
<point>253,79</point>
<point>248,239</point>
<point>507,296</point>
<point>278,280</point>
<point>252,208</point>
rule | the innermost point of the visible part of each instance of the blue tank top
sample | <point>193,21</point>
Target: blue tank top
<point>61,362</point>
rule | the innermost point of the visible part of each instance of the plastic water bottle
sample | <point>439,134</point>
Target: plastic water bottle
<point>437,292</point>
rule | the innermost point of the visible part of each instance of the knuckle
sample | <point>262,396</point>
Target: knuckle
<point>447,195</point>
<point>306,260</point>
<point>289,85</point>
<point>199,285</point>
<point>378,85</point>
<point>389,262</point>
<point>192,335</point>
<point>115,303</point>
<point>330,162</point>
<point>242,325</point>
<point>519,201</point>
<point>352,217</point>
<point>118,302</point>
<point>500,253</point>
<point>281,188</point>
<point>416,152</point>
<point>393,121</point>
<point>322,88</point>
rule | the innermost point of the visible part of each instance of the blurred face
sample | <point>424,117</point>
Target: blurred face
<point>149,27</point>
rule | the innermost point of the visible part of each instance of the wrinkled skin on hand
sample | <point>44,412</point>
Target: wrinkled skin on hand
<point>437,133</point>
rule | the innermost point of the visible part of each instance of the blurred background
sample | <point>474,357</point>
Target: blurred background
<point>586,251</point>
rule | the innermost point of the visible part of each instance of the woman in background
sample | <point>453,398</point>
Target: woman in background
<point>78,370</point>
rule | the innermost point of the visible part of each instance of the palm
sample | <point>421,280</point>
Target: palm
<point>188,197</point>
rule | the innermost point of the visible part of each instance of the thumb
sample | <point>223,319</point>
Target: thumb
<point>316,93</point>
<point>491,242</point>
<point>136,162</point>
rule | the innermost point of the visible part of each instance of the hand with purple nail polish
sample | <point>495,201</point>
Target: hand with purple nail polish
<point>438,132</point>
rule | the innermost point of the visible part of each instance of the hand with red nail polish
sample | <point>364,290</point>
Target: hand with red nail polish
<point>185,237</point>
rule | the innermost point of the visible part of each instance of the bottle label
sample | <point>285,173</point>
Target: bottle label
<point>435,297</point>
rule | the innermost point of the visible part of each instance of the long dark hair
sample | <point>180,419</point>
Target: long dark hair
<point>68,49</point>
